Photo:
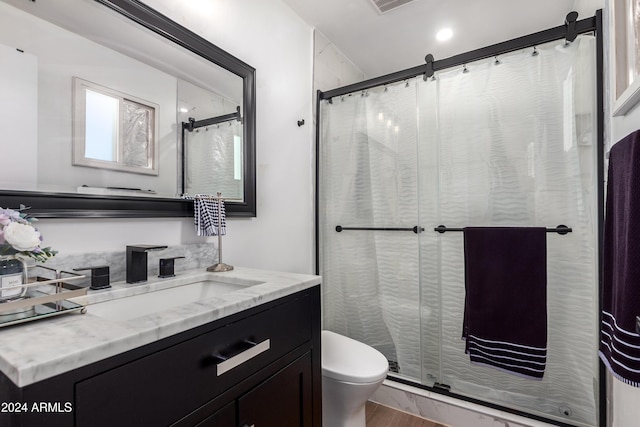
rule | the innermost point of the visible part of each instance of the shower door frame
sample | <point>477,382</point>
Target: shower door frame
<point>568,31</point>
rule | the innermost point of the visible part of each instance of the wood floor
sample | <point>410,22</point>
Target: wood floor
<point>383,416</point>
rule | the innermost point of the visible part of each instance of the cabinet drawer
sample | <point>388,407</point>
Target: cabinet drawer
<point>193,372</point>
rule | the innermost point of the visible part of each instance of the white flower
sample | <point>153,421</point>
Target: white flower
<point>23,237</point>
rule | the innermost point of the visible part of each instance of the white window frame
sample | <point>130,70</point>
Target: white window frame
<point>80,88</point>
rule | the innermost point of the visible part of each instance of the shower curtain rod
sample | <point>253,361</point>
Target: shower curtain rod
<point>569,31</point>
<point>194,124</point>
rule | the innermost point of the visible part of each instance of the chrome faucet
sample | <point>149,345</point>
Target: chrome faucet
<point>137,262</point>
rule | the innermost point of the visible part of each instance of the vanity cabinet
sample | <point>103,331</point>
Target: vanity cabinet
<point>257,367</point>
<point>281,400</point>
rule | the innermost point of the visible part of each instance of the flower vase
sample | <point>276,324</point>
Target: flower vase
<point>13,274</point>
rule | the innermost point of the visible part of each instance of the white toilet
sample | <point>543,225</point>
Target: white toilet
<point>351,372</point>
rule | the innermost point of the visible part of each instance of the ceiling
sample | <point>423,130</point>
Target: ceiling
<point>380,44</point>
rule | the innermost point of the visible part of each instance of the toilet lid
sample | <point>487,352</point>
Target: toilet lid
<point>345,359</point>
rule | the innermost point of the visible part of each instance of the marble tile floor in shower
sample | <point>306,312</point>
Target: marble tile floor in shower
<point>383,416</point>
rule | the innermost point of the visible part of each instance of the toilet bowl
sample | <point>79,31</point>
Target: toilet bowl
<point>351,372</point>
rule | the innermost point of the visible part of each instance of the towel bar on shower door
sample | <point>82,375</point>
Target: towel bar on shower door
<point>560,229</point>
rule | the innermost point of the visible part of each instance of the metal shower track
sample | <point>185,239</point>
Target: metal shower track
<point>568,31</point>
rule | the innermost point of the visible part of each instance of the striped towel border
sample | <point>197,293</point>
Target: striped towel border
<point>522,360</point>
<point>620,350</point>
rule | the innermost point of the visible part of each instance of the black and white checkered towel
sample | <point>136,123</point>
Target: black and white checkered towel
<point>206,215</point>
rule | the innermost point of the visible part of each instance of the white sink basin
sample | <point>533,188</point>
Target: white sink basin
<point>159,300</point>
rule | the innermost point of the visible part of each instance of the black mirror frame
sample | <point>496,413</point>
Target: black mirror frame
<point>70,205</point>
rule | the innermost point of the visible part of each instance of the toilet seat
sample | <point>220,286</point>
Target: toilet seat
<point>348,360</point>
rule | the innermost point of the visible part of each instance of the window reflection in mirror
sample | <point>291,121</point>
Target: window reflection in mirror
<point>100,122</point>
<point>113,130</point>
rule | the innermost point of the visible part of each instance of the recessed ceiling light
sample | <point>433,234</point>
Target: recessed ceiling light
<point>444,34</point>
<point>184,110</point>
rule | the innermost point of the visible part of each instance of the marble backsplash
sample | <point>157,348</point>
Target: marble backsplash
<point>201,255</point>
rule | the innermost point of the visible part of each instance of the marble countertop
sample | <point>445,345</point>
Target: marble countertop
<point>34,351</point>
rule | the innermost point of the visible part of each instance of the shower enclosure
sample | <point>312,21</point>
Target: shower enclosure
<point>507,140</point>
<point>212,156</point>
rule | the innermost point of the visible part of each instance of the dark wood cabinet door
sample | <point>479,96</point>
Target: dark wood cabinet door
<point>284,400</point>
<point>224,417</point>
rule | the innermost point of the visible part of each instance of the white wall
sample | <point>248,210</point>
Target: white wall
<point>18,86</point>
<point>332,69</point>
<point>270,37</point>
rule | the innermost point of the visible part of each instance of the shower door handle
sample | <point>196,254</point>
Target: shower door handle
<point>416,229</point>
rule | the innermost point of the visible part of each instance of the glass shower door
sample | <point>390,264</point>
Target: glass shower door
<point>368,164</point>
<point>513,144</point>
<point>506,144</point>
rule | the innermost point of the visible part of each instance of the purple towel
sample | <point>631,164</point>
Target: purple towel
<point>505,315</point>
<point>619,341</point>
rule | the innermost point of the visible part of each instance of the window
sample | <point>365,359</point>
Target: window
<point>113,130</point>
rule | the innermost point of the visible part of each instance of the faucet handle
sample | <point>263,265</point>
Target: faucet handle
<point>99,276</point>
<point>146,248</point>
<point>167,266</point>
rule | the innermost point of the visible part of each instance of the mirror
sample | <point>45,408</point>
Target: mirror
<point>113,110</point>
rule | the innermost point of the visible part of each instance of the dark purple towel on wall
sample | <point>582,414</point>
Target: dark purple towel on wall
<point>619,342</point>
<point>505,316</point>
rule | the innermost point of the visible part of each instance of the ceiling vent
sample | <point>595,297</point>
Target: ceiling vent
<point>384,6</point>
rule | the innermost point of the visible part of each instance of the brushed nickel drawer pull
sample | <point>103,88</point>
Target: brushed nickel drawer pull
<point>242,357</point>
